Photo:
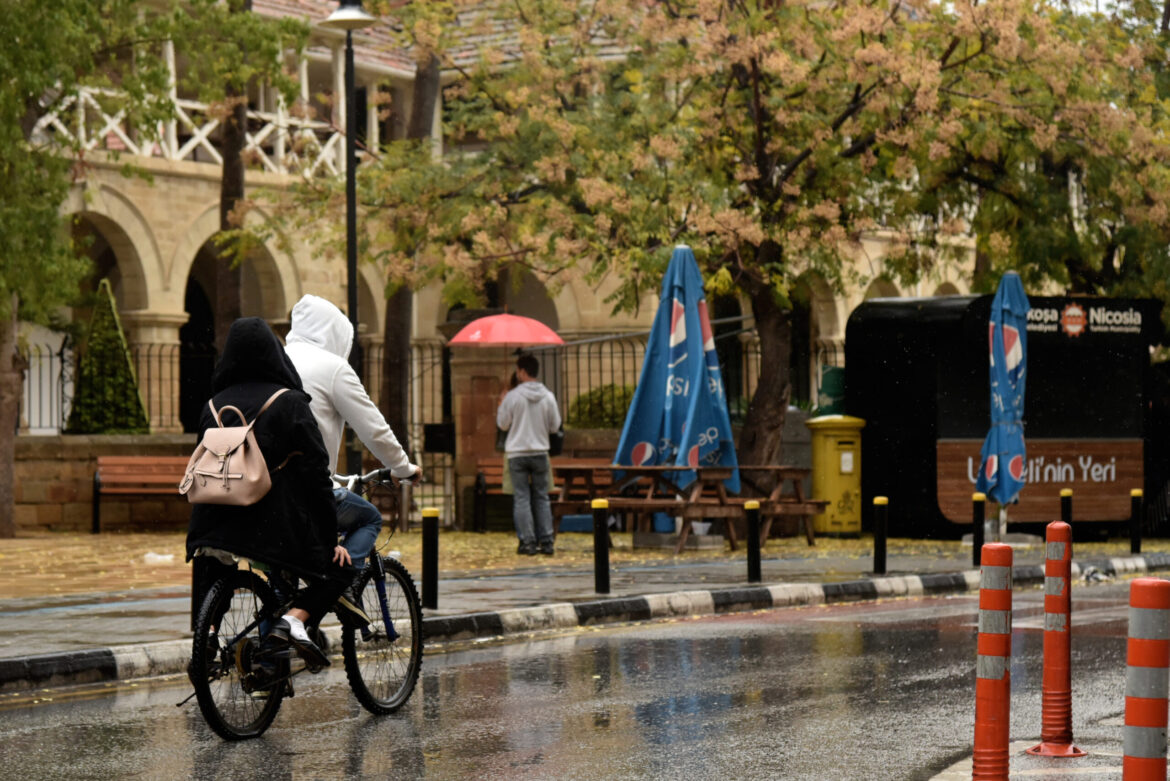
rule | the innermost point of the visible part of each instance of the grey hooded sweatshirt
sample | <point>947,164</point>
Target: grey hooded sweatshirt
<point>318,344</point>
<point>529,414</point>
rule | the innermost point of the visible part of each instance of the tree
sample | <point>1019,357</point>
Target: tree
<point>230,49</point>
<point>49,58</point>
<point>106,398</point>
<point>400,308</point>
<point>45,63</point>
<point>588,138</point>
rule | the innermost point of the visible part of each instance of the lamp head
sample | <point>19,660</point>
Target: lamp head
<point>349,16</point>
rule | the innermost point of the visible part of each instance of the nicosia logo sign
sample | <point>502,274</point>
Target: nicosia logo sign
<point>1073,320</point>
<point>1077,318</point>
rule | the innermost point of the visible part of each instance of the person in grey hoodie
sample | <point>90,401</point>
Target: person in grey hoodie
<point>318,343</point>
<point>529,414</point>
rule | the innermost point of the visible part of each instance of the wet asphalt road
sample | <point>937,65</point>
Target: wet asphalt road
<point>863,691</point>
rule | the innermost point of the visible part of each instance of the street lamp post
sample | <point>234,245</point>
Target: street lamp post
<point>350,16</point>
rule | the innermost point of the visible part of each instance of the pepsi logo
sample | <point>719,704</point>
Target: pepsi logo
<point>678,324</point>
<point>693,456</point>
<point>1073,320</point>
<point>642,454</point>
<point>705,327</point>
<point>1016,467</point>
<point>1013,349</point>
<point>991,468</point>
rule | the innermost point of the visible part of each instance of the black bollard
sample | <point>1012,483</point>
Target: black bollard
<point>978,515</point>
<point>1135,521</point>
<point>1066,505</point>
<point>752,508</point>
<point>881,524</point>
<point>430,557</point>
<point>601,546</point>
<point>479,507</point>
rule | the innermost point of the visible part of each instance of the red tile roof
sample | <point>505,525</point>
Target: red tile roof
<point>374,45</point>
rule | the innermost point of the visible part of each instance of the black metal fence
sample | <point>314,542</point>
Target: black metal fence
<point>594,379</point>
<point>174,381</point>
<point>48,388</point>
<point>429,400</point>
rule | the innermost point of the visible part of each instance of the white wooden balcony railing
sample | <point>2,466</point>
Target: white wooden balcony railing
<point>277,142</point>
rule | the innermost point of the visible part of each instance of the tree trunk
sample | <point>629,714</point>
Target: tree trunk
<point>11,369</point>
<point>424,99</point>
<point>400,307</point>
<point>231,192</point>
<point>396,363</point>
<point>760,439</point>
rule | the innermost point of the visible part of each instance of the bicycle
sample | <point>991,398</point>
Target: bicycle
<point>240,680</point>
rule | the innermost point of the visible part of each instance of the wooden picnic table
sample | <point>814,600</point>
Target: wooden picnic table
<point>645,490</point>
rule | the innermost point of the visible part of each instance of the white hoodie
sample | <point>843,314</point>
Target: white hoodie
<point>529,414</point>
<point>318,344</point>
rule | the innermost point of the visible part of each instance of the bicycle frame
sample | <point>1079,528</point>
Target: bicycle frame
<point>358,484</point>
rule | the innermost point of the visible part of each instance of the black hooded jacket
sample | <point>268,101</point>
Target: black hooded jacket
<point>295,525</point>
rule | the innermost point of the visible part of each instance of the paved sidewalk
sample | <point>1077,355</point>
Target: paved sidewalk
<point>80,609</point>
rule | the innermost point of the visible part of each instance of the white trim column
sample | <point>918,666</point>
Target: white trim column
<point>153,338</point>
<point>339,118</point>
<point>171,132</point>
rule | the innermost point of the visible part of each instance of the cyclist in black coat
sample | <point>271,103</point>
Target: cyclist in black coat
<point>294,526</point>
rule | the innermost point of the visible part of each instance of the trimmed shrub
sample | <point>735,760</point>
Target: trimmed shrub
<point>106,398</point>
<point>603,407</point>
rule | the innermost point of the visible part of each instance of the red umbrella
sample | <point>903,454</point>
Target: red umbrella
<point>505,331</point>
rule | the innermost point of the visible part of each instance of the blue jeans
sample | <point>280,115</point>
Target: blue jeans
<point>530,484</point>
<point>358,522</point>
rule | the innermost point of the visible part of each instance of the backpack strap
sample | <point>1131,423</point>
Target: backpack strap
<point>216,413</point>
<point>267,404</point>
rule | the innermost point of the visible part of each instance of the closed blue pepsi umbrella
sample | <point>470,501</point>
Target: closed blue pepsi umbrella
<point>1001,473</point>
<point>678,415</point>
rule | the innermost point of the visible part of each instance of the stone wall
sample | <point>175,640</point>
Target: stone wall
<point>54,484</point>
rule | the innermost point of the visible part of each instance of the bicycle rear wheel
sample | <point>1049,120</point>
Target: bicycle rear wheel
<point>231,674</point>
<point>382,671</point>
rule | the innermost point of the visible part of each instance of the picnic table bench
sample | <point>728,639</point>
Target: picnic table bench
<point>135,475</point>
<point>644,490</point>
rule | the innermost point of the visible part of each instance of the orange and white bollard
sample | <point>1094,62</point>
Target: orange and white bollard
<point>1146,677</point>
<point>993,665</point>
<point>1056,711</point>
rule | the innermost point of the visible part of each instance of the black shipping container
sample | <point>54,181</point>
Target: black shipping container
<point>916,370</point>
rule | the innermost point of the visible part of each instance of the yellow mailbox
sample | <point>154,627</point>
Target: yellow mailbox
<point>836,473</point>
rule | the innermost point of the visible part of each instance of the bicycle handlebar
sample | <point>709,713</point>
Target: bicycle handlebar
<point>355,482</point>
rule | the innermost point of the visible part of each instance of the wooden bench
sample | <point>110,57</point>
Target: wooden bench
<point>489,481</point>
<point>135,475</point>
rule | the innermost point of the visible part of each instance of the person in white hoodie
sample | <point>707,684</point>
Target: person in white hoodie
<point>529,414</point>
<point>318,343</point>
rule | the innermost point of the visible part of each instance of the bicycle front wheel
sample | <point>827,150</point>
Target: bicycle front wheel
<point>238,687</point>
<point>383,668</point>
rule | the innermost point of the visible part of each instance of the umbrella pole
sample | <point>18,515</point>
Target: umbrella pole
<point>991,527</point>
<point>1001,527</point>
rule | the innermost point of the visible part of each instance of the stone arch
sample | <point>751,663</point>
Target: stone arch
<point>881,288</point>
<point>825,333</point>
<point>947,289</point>
<point>569,308</point>
<point>371,300</point>
<point>823,305</point>
<point>269,281</point>
<point>126,231</point>
<point>730,347</point>
<point>529,299</point>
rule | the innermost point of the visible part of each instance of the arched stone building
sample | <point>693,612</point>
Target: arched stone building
<point>151,236</point>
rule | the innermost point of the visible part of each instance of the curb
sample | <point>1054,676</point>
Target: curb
<point>120,663</point>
